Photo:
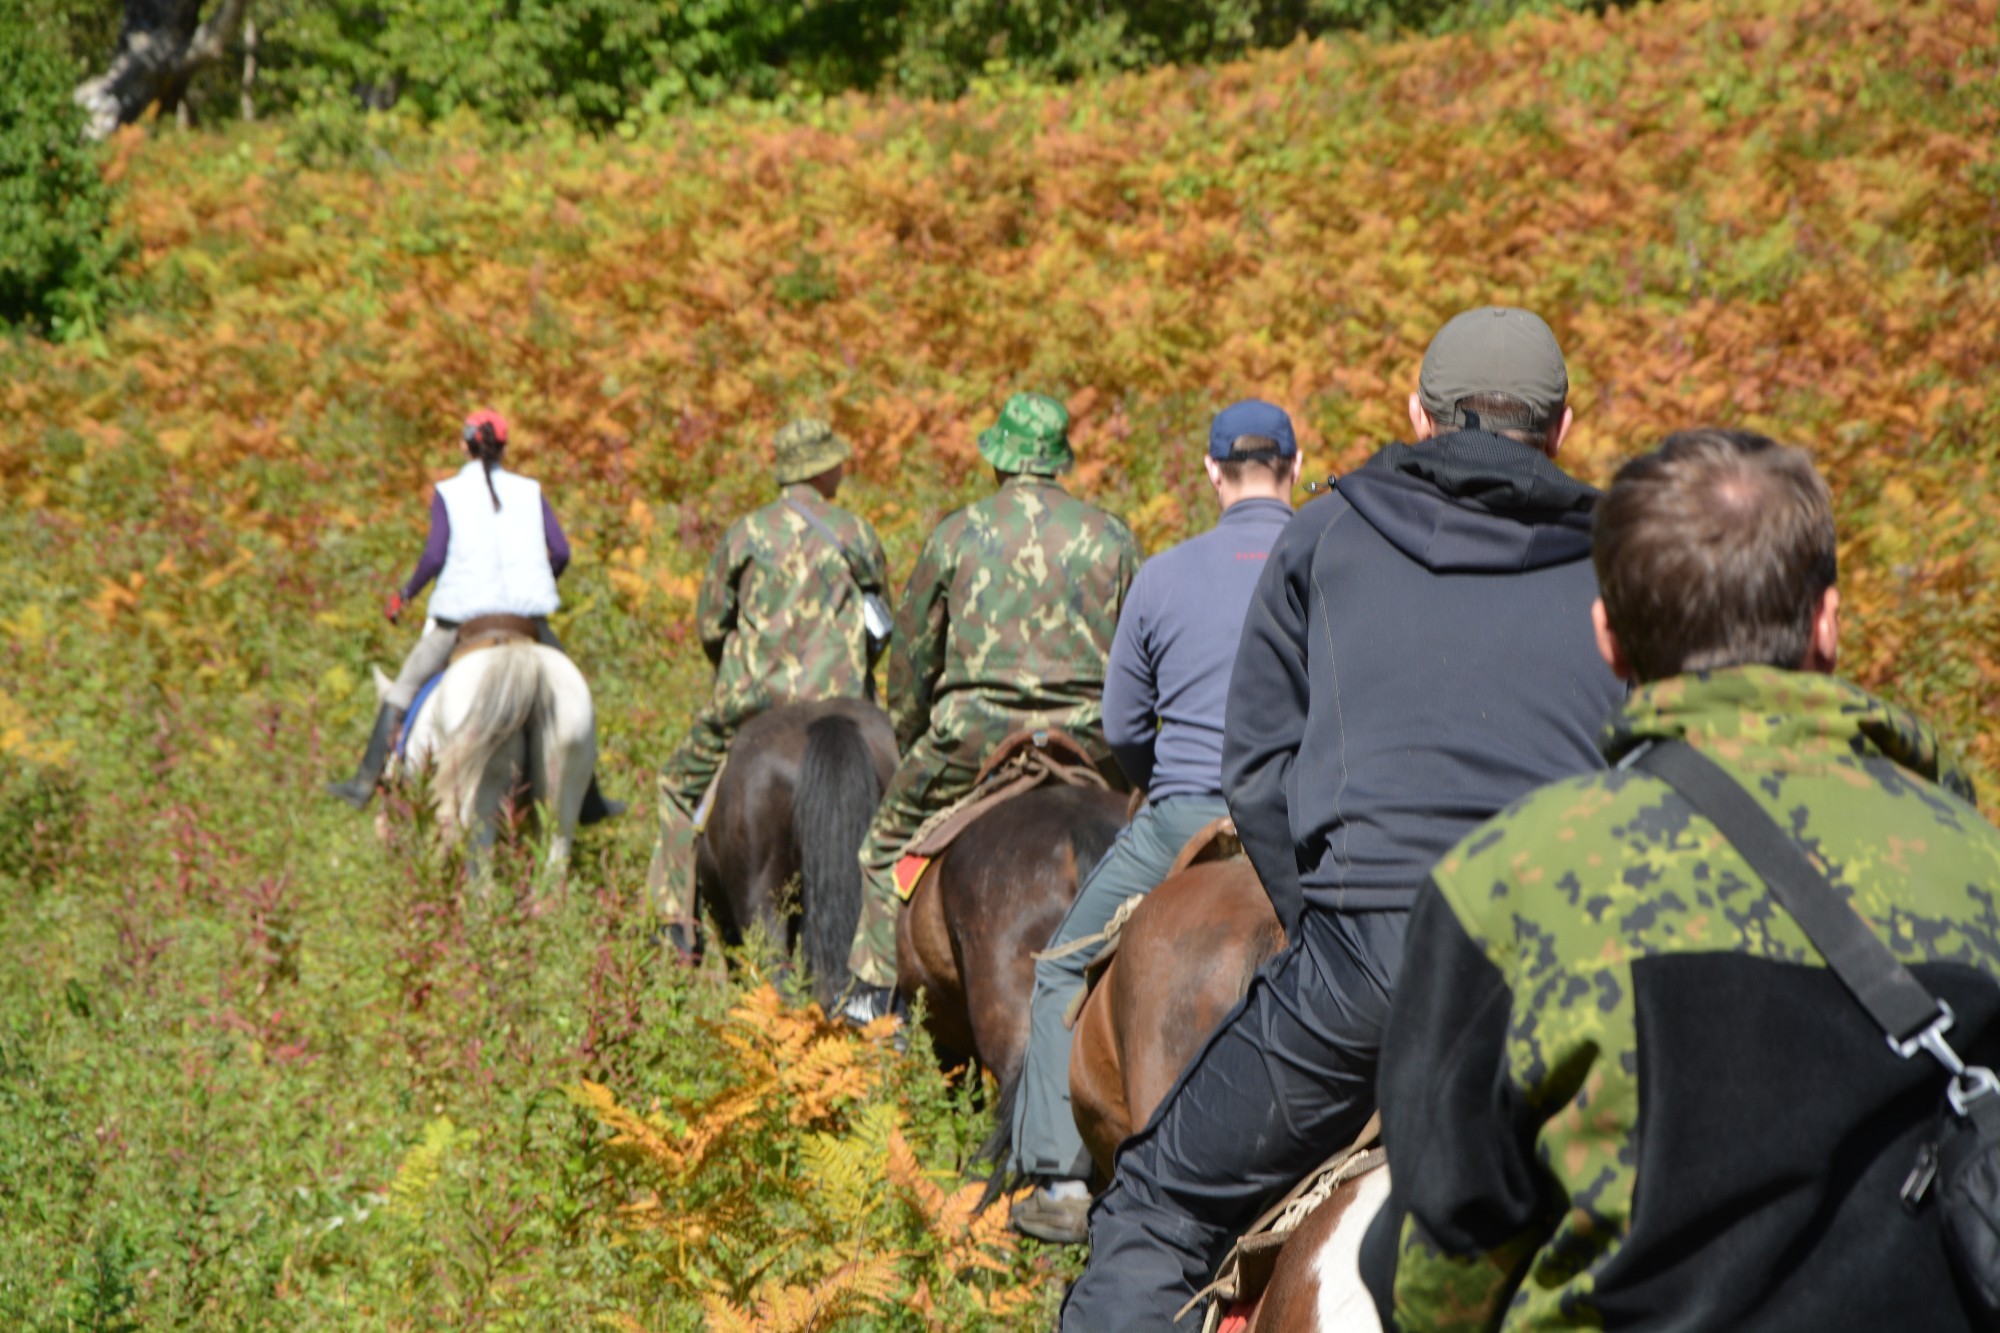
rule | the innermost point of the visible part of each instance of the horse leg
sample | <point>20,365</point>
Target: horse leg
<point>496,784</point>
<point>567,734</point>
<point>925,965</point>
<point>1096,1080</point>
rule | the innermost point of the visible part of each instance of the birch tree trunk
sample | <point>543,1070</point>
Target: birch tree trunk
<point>161,44</point>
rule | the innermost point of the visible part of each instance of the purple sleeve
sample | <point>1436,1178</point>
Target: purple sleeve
<point>432,560</point>
<point>558,544</point>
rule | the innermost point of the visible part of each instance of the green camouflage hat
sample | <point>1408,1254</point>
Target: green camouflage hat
<point>806,448</point>
<point>1032,435</point>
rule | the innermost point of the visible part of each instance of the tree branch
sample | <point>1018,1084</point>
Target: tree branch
<point>160,46</point>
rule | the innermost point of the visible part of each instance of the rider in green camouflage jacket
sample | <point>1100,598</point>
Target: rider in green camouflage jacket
<point>780,617</point>
<point>1623,1090</point>
<point>1005,625</point>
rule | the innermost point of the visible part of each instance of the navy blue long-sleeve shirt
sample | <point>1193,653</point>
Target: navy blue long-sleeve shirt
<point>1167,685</point>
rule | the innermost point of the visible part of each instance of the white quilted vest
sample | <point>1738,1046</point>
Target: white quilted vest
<point>496,563</point>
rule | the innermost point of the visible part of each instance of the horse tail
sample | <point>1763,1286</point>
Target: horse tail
<point>833,802</point>
<point>510,695</point>
<point>999,1145</point>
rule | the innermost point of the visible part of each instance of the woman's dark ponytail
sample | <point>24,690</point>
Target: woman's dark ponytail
<point>487,447</point>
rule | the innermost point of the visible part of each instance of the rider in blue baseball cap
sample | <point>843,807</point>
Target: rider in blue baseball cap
<point>1263,427</point>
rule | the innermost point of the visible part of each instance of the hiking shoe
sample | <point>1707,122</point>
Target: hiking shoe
<point>864,1004</point>
<point>682,939</point>
<point>1058,1221</point>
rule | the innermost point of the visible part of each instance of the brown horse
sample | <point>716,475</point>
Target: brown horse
<point>794,801</point>
<point>1184,959</point>
<point>967,937</point>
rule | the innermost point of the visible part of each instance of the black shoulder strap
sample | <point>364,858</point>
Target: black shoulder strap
<point>1894,998</point>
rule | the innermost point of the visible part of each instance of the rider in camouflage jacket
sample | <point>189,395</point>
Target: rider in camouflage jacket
<point>1624,1090</point>
<point>1005,625</point>
<point>780,617</point>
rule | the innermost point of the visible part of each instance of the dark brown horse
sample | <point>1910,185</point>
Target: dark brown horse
<point>975,918</point>
<point>1184,959</point>
<point>794,802</point>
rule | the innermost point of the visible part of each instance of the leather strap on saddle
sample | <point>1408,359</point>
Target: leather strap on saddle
<point>492,631</point>
<point>1246,1270</point>
<point>1024,761</point>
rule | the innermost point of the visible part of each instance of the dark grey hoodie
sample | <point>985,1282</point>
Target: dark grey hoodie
<point>1418,655</point>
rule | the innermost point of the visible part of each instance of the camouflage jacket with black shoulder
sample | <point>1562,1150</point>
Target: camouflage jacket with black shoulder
<point>1619,1086</point>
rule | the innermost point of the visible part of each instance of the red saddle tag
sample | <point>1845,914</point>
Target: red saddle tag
<point>908,871</point>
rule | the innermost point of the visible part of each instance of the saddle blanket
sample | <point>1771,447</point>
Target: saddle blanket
<point>409,727</point>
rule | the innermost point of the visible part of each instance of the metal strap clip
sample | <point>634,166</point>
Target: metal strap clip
<point>1932,1039</point>
<point>1968,1082</point>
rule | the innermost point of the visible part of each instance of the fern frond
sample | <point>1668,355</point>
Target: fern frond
<point>646,1137</point>
<point>417,1174</point>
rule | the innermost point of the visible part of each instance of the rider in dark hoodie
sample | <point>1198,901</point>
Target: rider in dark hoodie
<point>1419,655</point>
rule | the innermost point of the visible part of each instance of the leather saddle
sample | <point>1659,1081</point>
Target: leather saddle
<point>1022,762</point>
<point>491,632</point>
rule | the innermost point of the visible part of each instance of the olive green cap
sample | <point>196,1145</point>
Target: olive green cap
<point>806,448</point>
<point>1032,435</point>
<point>1494,349</point>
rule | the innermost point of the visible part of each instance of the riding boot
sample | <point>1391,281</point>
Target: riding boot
<point>670,881</point>
<point>595,808</point>
<point>357,789</point>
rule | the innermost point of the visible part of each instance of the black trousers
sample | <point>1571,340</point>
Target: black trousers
<point>1286,1081</point>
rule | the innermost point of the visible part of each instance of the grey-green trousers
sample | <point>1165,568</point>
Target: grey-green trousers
<point>1045,1139</point>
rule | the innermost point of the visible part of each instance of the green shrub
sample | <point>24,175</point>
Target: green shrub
<point>55,260</point>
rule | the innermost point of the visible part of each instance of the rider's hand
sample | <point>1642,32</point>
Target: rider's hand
<point>393,608</point>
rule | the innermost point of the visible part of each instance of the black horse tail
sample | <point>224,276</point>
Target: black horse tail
<point>999,1146</point>
<point>833,802</point>
<point>1088,842</point>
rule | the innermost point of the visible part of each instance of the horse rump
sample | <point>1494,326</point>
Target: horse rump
<point>511,696</point>
<point>833,802</point>
<point>1089,840</point>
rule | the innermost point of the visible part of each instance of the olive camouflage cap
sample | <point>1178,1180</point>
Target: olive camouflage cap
<point>1032,435</point>
<point>806,448</point>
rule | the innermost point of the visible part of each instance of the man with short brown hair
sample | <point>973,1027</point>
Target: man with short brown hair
<point>1615,1008</point>
<point>1716,549</point>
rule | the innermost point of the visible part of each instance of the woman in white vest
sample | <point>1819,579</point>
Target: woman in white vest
<point>496,549</point>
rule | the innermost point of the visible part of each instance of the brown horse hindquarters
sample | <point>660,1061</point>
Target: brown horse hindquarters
<point>926,965</point>
<point>1000,891</point>
<point>770,823</point>
<point>1184,960</point>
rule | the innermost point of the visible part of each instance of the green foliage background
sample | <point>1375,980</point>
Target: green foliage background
<point>596,62</point>
<point>55,256</point>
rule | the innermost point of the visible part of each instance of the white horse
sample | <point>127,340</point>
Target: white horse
<point>500,715</point>
<point>1315,1285</point>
